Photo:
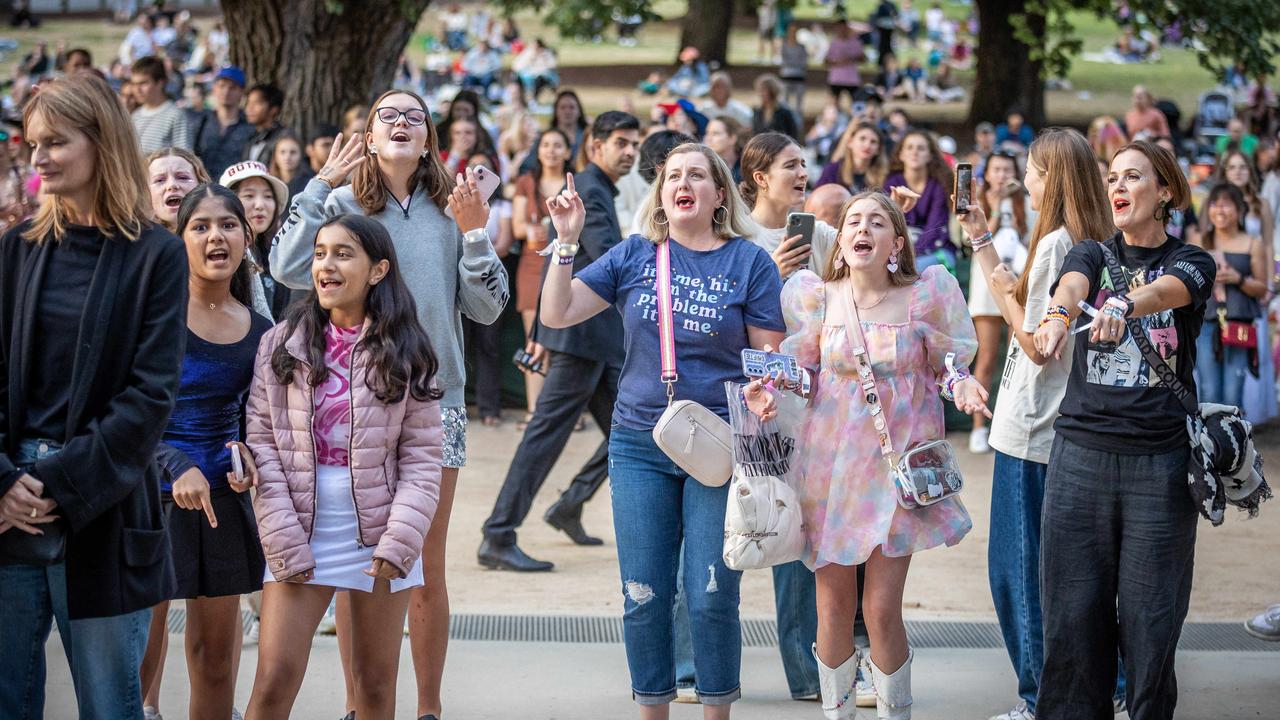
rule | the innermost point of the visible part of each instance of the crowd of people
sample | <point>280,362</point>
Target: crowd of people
<point>230,351</point>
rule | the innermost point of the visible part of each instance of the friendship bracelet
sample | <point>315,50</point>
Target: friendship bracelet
<point>955,376</point>
<point>981,241</point>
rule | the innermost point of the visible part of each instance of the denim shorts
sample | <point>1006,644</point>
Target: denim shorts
<point>455,436</point>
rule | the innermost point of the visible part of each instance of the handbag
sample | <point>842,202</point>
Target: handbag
<point>1237,333</point>
<point>22,548</point>
<point>763,525</point>
<point>1225,466</point>
<point>927,472</point>
<point>695,438</point>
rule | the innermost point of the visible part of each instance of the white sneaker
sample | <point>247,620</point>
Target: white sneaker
<point>1266,626</point>
<point>329,623</point>
<point>251,637</point>
<point>1019,712</point>
<point>150,713</point>
<point>978,441</point>
<point>1118,705</point>
<point>864,689</point>
<point>687,695</point>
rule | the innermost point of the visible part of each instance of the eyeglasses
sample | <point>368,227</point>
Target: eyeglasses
<point>391,116</point>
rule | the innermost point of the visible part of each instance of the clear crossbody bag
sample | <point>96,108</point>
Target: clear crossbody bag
<point>927,472</point>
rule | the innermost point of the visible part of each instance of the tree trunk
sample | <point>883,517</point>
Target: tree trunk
<point>1007,78</point>
<point>325,55</point>
<point>706,26</point>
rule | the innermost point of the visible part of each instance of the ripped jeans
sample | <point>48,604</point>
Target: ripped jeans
<point>656,506</point>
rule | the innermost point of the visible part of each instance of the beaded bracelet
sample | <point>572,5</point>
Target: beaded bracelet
<point>1056,313</point>
<point>981,241</point>
<point>955,375</point>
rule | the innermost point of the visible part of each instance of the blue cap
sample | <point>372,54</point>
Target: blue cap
<point>232,73</point>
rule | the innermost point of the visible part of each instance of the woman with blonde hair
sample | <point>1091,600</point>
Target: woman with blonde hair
<point>94,296</point>
<point>1106,137</point>
<point>872,315</point>
<point>861,162</point>
<point>695,230</point>
<point>1063,188</point>
<point>451,269</point>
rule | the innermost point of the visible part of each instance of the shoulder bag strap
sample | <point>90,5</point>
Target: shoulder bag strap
<point>841,292</point>
<point>1167,376</point>
<point>666,326</point>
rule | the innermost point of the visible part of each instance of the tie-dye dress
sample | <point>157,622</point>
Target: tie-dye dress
<point>846,491</point>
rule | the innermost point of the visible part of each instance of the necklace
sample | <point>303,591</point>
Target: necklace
<point>879,300</point>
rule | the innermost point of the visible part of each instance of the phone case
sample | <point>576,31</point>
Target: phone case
<point>237,464</point>
<point>801,224</point>
<point>758,363</point>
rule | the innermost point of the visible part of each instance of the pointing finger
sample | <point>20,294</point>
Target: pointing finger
<point>207,504</point>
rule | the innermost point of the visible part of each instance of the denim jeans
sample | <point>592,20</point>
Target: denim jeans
<point>104,653</point>
<point>1219,381</point>
<point>1118,548</point>
<point>796,601</point>
<point>656,507</point>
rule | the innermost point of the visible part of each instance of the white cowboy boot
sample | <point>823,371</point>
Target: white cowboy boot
<point>893,692</point>
<point>838,688</point>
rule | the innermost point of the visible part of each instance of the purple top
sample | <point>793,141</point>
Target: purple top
<point>831,176</point>
<point>331,424</point>
<point>844,56</point>
<point>929,216</point>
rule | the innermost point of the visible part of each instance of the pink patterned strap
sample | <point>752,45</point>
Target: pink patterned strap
<point>666,326</point>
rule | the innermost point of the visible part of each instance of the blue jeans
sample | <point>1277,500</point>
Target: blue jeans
<point>656,506</point>
<point>796,600</point>
<point>1219,381</point>
<point>104,653</point>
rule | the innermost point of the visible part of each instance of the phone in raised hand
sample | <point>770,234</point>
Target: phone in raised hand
<point>487,181</point>
<point>964,181</point>
<point>800,223</point>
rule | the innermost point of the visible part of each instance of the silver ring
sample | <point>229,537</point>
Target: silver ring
<point>35,513</point>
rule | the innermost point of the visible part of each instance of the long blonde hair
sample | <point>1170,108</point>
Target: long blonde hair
<point>121,201</point>
<point>906,272</point>
<point>735,223</point>
<point>1073,194</point>
<point>367,183</point>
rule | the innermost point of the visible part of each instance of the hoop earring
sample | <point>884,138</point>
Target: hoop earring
<point>654,216</point>
<point>373,149</point>
<point>723,220</point>
<point>893,263</point>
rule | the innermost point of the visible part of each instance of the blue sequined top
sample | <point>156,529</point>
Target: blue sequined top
<point>215,379</point>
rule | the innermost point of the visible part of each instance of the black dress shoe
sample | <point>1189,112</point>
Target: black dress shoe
<point>570,525</point>
<point>509,557</point>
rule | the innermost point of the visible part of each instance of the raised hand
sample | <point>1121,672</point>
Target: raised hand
<point>905,197</point>
<point>343,158</point>
<point>469,206</point>
<point>567,212</point>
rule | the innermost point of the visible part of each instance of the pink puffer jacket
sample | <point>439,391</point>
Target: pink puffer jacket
<point>395,464</point>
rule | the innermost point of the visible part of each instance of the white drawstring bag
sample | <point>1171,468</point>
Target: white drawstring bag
<point>763,526</point>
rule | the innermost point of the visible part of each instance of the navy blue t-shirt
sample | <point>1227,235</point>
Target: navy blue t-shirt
<point>716,295</point>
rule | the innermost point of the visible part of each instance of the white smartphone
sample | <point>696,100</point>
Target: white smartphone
<point>237,465</point>
<point>486,180</point>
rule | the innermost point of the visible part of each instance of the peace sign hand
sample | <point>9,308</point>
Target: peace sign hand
<point>343,158</point>
<point>567,212</point>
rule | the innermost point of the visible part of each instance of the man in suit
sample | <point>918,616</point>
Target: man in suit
<point>584,361</point>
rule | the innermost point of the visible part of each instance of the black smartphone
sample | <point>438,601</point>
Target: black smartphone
<point>964,181</point>
<point>524,361</point>
<point>800,223</point>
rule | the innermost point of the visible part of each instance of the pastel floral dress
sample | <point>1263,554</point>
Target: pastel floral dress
<point>847,494</point>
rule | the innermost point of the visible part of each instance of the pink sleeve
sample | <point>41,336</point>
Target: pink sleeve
<point>941,318</point>
<point>803,309</point>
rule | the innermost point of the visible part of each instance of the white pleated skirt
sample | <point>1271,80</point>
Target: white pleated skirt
<point>335,540</point>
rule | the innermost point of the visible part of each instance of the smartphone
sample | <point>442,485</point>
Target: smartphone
<point>800,223</point>
<point>524,361</point>
<point>487,181</point>
<point>237,464</point>
<point>964,182</point>
<point>759,364</point>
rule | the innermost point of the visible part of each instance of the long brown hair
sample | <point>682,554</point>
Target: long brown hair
<point>879,168</point>
<point>906,272</point>
<point>121,201</point>
<point>937,167</point>
<point>1250,190</point>
<point>1223,189</point>
<point>757,156</point>
<point>367,183</point>
<point>1073,194</point>
<point>1019,201</point>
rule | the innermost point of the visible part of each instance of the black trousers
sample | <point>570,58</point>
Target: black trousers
<point>573,384</point>
<point>1118,539</point>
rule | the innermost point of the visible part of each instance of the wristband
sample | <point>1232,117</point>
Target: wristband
<point>475,236</point>
<point>955,376</point>
<point>981,241</point>
<point>1058,313</point>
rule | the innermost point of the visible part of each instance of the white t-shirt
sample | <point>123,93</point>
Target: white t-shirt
<point>1030,394</point>
<point>1008,245</point>
<point>824,241</point>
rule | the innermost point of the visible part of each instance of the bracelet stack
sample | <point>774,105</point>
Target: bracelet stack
<point>955,376</point>
<point>1054,314</point>
<point>981,241</point>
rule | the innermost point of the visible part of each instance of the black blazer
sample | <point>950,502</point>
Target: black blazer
<point>600,337</point>
<point>127,370</point>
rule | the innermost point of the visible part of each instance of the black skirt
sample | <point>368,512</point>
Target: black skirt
<point>215,562</point>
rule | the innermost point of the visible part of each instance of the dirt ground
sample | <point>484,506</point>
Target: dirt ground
<point>1237,565</point>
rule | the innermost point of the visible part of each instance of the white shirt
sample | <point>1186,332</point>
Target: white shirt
<point>733,109</point>
<point>1030,394</point>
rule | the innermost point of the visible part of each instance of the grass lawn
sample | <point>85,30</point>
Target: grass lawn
<point>1097,88</point>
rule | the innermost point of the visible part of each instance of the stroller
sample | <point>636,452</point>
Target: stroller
<point>1213,111</point>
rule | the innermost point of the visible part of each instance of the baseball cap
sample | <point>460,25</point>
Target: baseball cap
<point>984,127</point>
<point>240,172</point>
<point>232,73</point>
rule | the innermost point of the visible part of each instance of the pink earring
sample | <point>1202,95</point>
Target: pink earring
<point>893,263</point>
<point>838,260</point>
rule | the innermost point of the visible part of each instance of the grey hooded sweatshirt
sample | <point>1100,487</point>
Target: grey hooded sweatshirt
<point>447,276</point>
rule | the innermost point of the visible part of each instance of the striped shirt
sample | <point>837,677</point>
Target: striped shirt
<point>161,127</point>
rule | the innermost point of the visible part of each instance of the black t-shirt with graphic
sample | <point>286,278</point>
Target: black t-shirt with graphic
<point>1114,400</point>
